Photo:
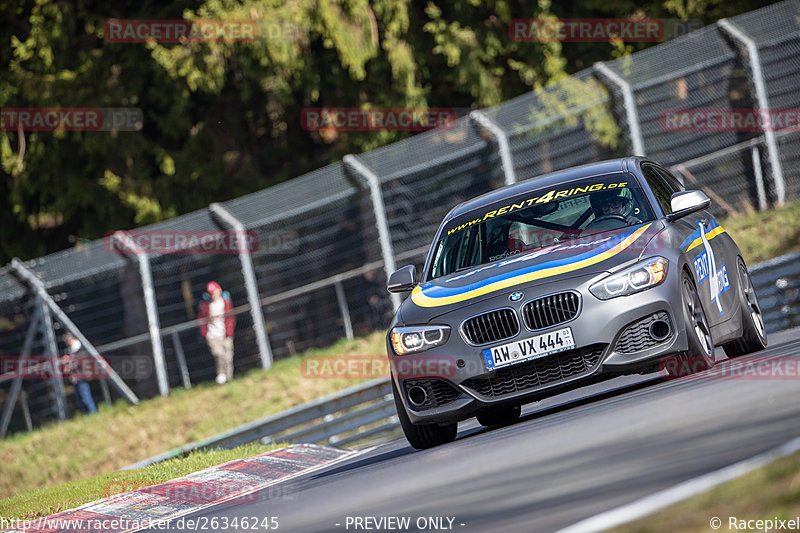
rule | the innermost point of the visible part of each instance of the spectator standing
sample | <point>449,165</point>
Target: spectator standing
<point>71,362</point>
<point>217,324</point>
<point>375,307</point>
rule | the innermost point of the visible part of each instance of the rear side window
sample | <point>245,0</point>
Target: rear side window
<point>659,186</point>
<point>671,180</point>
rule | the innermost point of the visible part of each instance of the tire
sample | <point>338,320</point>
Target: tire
<point>422,436</point>
<point>498,416</point>
<point>754,336</point>
<point>699,355</point>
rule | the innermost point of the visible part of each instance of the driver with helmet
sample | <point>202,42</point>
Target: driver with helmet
<point>612,204</point>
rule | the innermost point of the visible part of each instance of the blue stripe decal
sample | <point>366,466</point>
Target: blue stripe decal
<point>696,233</point>
<point>436,291</point>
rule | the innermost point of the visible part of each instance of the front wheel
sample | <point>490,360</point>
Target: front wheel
<point>422,436</point>
<point>754,336</point>
<point>699,355</point>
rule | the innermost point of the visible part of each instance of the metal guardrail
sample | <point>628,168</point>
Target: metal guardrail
<point>334,418</point>
<point>777,284</point>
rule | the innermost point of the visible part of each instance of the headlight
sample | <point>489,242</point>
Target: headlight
<point>639,277</point>
<point>414,339</point>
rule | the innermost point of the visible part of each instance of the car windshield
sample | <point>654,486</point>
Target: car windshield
<point>538,219</point>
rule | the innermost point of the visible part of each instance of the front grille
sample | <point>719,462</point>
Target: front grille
<point>636,337</point>
<point>538,372</point>
<point>551,310</point>
<point>491,327</point>
<point>439,392</point>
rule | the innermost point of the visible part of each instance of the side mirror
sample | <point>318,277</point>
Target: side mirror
<point>402,280</point>
<point>687,202</point>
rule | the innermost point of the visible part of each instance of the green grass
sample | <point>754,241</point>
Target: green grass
<point>766,234</point>
<point>767,493</point>
<point>49,500</point>
<point>122,434</point>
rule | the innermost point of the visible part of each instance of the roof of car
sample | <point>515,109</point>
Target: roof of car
<point>545,180</point>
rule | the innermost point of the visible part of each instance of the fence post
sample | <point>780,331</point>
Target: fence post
<point>26,411</point>
<point>631,111</point>
<point>762,195</point>
<point>340,297</point>
<point>56,382</point>
<point>228,220</point>
<point>754,59</point>
<point>179,355</point>
<point>379,208</point>
<point>129,246</point>
<point>501,136</point>
<point>16,386</point>
<point>34,282</point>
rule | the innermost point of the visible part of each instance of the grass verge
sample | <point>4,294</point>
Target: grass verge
<point>766,234</point>
<point>771,492</point>
<point>45,501</point>
<point>121,434</point>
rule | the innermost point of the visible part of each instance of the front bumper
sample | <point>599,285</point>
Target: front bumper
<point>458,383</point>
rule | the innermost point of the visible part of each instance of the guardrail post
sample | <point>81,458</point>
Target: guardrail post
<point>128,247</point>
<point>501,136</point>
<point>228,220</point>
<point>754,59</point>
<point>631,110</point>
<point>34,282</point>
<point>378,206</point>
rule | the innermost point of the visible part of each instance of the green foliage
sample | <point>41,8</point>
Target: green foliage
<point>223,119</point>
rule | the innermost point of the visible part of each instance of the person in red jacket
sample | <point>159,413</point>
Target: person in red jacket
<point>217,323</point>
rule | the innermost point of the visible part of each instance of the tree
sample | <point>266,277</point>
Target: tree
<point>221,119</point>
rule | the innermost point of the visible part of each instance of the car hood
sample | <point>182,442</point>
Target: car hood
<point>596,253</point>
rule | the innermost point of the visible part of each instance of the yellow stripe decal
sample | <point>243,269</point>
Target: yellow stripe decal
<point>710,235</point>
<point>423,300</point>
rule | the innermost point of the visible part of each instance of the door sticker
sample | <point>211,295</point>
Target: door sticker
<point>705,268</point>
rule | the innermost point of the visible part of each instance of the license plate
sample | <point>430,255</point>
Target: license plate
<point>527,349</point>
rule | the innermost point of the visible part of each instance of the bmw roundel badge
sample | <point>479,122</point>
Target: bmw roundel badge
<point>515,296</point>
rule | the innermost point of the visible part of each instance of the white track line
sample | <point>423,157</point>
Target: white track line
<point>659,500</point>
